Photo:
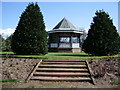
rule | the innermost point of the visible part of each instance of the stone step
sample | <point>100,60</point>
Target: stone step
<point>76,63</point>
<point>63,74</point>
<point>63,61</point>
<point>43,78</point>
<point>61,69</point>
<point>63,66</point>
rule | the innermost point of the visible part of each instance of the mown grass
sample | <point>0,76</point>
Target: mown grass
<point>58,56</point>
<point>116,82</point>
<point>8,80</point>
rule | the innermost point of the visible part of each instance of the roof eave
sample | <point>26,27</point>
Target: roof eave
<point>80,32</point>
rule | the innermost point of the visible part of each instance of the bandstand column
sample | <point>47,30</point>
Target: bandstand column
<point>70,41</point>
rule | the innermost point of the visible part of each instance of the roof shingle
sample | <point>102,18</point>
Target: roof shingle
<point>64,23</point>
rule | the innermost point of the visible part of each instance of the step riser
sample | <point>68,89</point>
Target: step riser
<point>60,71</point>
<point>79,69</point>
<point>61,75</point>
<point>67,63</point>
<point>48,65</point>
<point>62,61</point>
<point>62,80</point>
<point>61,67</point>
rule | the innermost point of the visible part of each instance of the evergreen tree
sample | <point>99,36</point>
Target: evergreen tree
<point>8,43</point>
<point>30,36</point>
<point>102,36</point>
<point>2,43</point>
<point>119,43</point>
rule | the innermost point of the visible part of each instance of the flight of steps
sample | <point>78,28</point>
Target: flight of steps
<point>61,70</point>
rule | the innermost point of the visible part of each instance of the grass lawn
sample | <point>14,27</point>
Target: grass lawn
<point>116,82</point>
<point>6,52</point>
<point>8,80</point>
<point>58,56</point>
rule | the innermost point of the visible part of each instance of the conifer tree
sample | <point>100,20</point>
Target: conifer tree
<point>2,43</point>
<point>103,38</point>
<point>8,43</point>
<point>30,36</point>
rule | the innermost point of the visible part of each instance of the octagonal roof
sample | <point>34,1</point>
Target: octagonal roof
<point>65,26</point>
<point>64,23</point>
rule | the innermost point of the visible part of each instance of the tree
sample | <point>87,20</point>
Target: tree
<point>30,36</point>
<point>102,36</point>
<point>3,46</point>
<point>119,44</point>
<point>83,37</point>
<point>8,43</point>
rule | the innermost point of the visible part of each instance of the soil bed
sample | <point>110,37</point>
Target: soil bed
<point>104,71</point>
<point>17,68</point>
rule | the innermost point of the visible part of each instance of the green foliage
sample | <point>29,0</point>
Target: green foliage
<point>59,56</point>
<point>6,53</point>
<point>8,80</point>
<point>2,43</point>
<point>6,44</point>
<point>103,38</point>
<point>119,43</point>
<point>30,36</point>
<point>116,82</point>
